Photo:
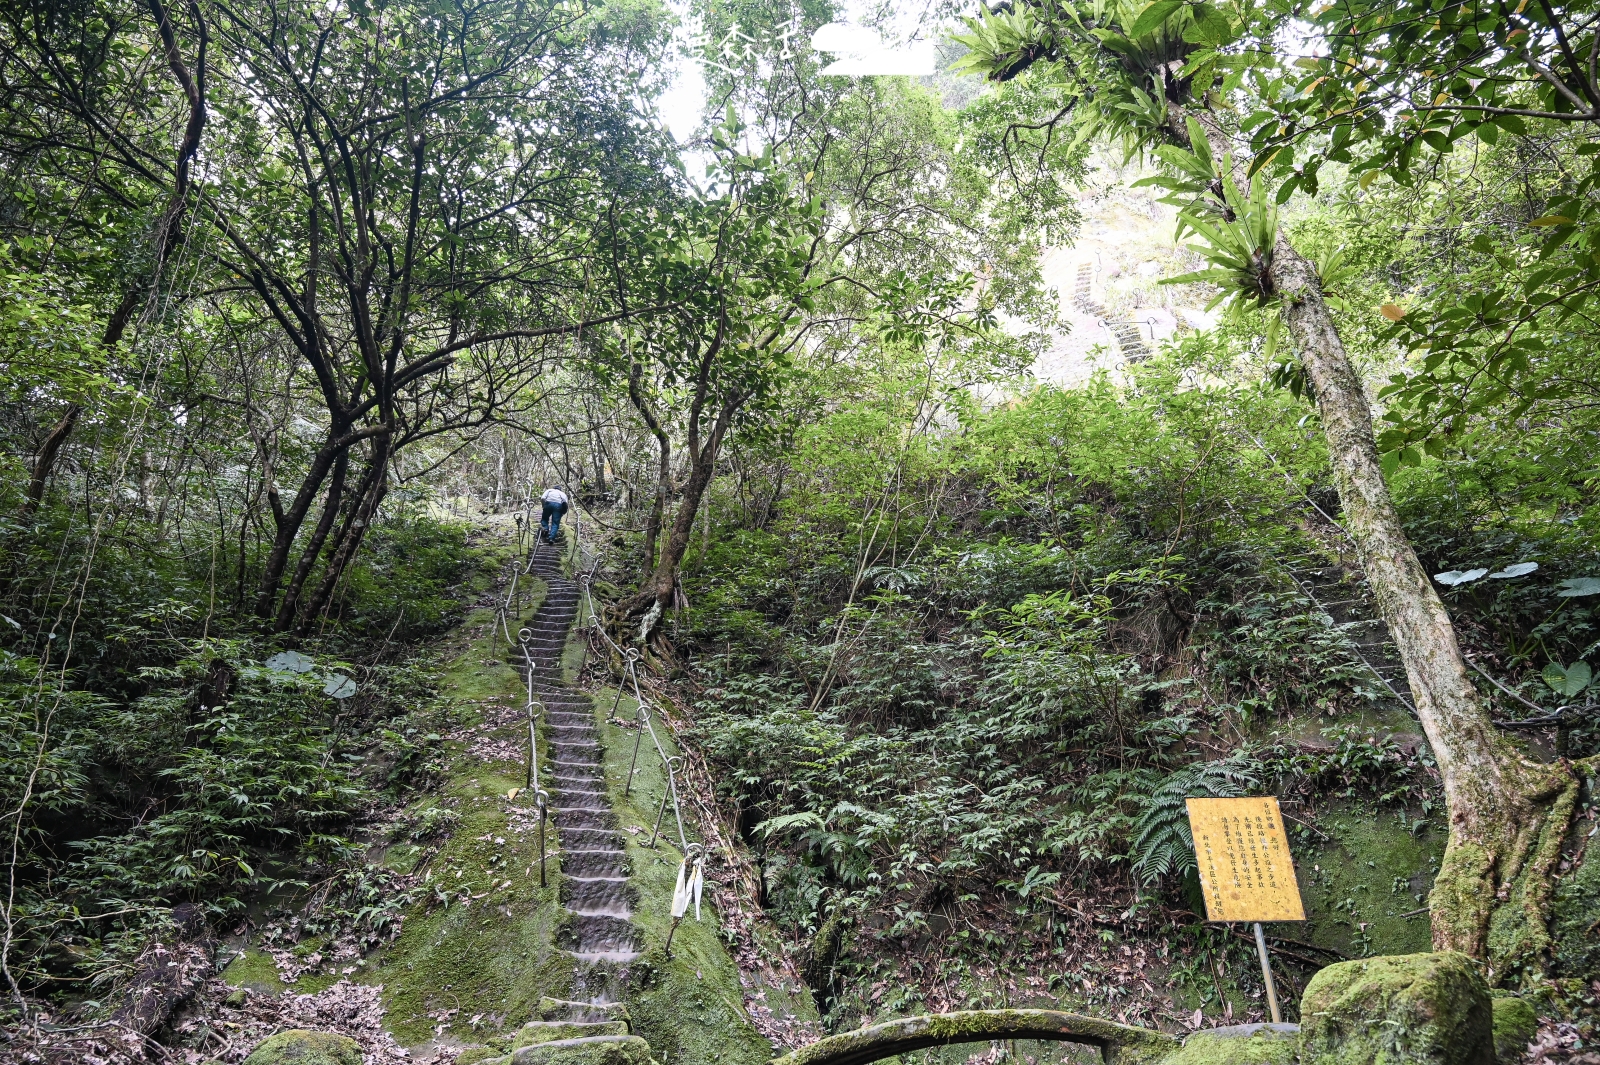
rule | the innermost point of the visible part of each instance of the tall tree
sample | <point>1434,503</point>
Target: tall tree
<point>1164,76</point>
<point>735,269</point>
<point>422,184</point>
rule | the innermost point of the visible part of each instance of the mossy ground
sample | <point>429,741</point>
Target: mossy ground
<point>690,1007</point>
<point>478,964</point>
<point>254,970</point>
<point>1361,885</point>
<point>477,971</point>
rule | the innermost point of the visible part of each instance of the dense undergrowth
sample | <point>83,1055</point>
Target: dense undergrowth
<point>160,750</point>
<point>959,683</point>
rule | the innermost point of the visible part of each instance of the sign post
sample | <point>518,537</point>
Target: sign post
<point>1245,871</point>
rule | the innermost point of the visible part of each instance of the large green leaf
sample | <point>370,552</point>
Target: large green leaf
<point>1567,681</point>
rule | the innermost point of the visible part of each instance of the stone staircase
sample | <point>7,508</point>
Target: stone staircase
<point>592,1027</point>
<point>1347,598</point>
<point>1130,339</point>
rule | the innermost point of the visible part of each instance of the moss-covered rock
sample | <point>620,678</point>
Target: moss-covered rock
<point>1240,1044</point>
<point>591,1050</point>
<point>297,1047</point>
<point>1515,1025</point>
<point>1413,1009</point>
<point>254,970</point>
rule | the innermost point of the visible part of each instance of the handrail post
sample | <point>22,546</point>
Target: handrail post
<point>544,814</point>
<point>667,791</point>
<point>637,739</point>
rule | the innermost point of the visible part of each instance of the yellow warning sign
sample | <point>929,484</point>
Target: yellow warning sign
<point>1243,854</point>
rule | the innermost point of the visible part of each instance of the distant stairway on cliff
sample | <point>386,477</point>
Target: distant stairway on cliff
<point>1129,336</point>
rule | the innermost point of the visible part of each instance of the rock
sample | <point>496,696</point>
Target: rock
<point>1515,1025</point>
<point>296,1047</point>
<point>236,999</point>
<point>1239,1044</point>
<point>589,1050</point>
<point>1412,1009</point>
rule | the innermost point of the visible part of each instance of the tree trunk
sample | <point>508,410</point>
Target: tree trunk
<point>1495,798</point>
<point>658,506</point>
<point>658,502</point>
<point>374,484</point>
<point>1499,803</point>
<point>654,597</point>
<point>44,460</point>
<point>288,526</point>
<point>313,550</point>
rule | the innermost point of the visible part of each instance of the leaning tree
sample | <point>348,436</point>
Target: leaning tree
<point>1172,77</point>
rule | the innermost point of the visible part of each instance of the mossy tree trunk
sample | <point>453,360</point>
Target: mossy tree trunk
<point>1507,815</point>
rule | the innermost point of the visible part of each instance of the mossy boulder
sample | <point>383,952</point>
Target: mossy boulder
<point>297,1047</point>
<point>1411,1009</point>
<point>1515,1025</point>
<point>1240,1044</point>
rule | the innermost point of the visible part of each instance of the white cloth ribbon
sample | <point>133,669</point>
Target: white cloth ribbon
<point>691,881</point>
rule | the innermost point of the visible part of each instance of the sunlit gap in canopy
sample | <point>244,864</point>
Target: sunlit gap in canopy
<point>899,42</point>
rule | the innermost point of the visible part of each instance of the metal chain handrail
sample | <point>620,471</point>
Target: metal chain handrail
<point>630,660</point>
<point>691,870</point>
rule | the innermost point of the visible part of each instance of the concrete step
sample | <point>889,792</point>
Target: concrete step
<point>593,1050</point>
<point>590,838</point>
<point>594,863</point>
<point>578,817</point>
<point>597,896</point>
<point>555,1009</point>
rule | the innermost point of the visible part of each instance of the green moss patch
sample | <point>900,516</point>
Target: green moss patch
<point>1248,1044</point>
<point>1361,886</point>
<point>1515,1025</point>
<point>254,970</point>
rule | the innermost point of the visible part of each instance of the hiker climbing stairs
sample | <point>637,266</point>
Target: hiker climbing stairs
<point>592,1025</point>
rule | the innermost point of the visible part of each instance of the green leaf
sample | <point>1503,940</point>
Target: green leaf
<point>1579,586</point>
<point>1519,569</point>
<point>1153,16</point>
<point>807,819</point>
<point>1567,680</point>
